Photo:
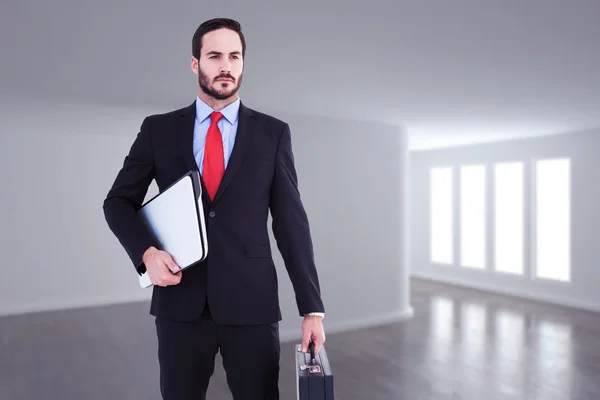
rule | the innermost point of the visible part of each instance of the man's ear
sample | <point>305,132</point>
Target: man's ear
<point>194,65</point>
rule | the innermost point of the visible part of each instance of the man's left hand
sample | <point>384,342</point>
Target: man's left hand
<point>312,328</point>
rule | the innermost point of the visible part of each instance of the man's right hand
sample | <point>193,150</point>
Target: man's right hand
<point>161,268</point>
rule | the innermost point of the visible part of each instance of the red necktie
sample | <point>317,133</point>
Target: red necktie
<point>214,161</point>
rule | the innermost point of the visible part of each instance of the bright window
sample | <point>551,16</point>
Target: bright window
<point>441,215</point>
<point>472,216</point>
<point>509,204</point>
<point>552,219</point>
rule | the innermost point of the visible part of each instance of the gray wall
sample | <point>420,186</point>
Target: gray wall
<point>442,68</point>
<point>583,150</point>
<point>59,160</point>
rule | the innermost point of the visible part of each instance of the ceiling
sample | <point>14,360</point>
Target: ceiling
<point>449,71</point>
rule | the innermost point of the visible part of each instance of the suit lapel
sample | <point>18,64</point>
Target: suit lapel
<point>186,136</point>
<point>243,140</point>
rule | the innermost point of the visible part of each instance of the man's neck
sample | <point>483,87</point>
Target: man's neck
<point>214,103</point>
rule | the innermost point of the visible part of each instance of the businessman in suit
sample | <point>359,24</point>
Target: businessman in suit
<point>227,304</point>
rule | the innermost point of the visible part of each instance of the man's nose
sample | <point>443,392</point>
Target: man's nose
<point>225,67</point>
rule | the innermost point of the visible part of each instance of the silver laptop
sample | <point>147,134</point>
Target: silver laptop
<point>175,218</point>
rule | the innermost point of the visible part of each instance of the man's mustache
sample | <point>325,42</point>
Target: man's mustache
<point>225,77</point>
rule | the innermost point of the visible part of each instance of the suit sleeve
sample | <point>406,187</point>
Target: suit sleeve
<point>291,229</point>
<point>126,196</point>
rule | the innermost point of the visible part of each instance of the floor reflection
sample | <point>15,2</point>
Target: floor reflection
<point>482,349</point>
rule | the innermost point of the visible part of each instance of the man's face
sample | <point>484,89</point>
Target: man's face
<point>221,65</point>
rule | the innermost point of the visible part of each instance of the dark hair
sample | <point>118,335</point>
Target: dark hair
<point>213,25</point>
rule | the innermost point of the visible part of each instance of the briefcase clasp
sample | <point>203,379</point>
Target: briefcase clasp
<point>312,369</point>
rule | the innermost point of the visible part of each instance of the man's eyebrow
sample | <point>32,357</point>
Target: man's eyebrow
<point>214,52</point>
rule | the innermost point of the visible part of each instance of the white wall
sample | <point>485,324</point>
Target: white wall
<point>59,160</point>
<point>584,150</point>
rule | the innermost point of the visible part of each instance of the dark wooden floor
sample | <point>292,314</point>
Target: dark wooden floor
<point>470,345</point>
<point>461,344</point>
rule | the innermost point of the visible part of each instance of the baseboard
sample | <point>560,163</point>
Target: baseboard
<point>510,291</point>
<point>285,335</point>
<point>359,323</point>
<point>61,305</point>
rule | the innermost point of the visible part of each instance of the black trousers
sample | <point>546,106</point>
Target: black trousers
<point>187,352</point>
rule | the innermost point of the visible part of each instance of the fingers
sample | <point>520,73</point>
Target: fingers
<point>168,279</point>
<point>318,345</point>
<point>305,340</point>
<point>171,278</point>
<point>318,339</point>
<point>167,272</point>
<point>171,264</point>
<point>317,336</point>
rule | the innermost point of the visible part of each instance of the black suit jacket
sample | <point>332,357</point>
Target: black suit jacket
<point>238,276</point>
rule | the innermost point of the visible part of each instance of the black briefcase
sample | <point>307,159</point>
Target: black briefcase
<point>314,379</point>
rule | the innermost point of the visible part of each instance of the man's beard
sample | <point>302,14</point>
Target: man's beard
<point>205,84</point>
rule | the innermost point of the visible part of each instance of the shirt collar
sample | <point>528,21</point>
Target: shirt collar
<point>230,112</point>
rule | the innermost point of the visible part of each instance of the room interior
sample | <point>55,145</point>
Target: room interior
<point>446,155</point>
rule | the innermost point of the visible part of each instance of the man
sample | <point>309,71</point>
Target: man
<point>229,302</point>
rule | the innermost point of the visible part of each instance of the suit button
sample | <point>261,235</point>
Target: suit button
<point>212,214</point>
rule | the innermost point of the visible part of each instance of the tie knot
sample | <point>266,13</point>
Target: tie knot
<point>215,116</point>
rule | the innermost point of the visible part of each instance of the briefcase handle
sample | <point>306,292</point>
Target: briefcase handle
<point>311,347</point>
<point>313,367</point>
